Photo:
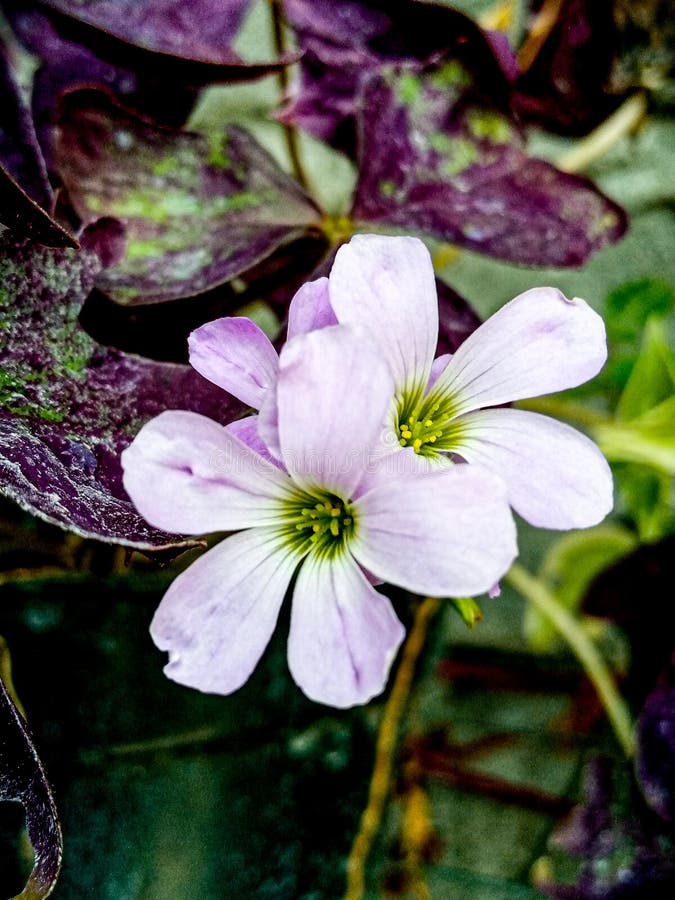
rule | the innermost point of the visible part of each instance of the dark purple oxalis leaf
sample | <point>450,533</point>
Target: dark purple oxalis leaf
<point>617,594</point>
<point>23,780</point>
<point>196,211</point>
<point>189,42</point>
<point>626,851</point>
<point>26,198</point>
<point>564,85</point>
<point>199,30</point>
<point>345,41</point>
<point>433,159</point>
<point>68,406</point>
<point>156,54</point>
<point>655,762</point>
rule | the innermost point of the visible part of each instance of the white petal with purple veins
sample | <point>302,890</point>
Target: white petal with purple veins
<point>310,309</point>
<point>344,635</point>
<point>185,473</point>
<point>237,355</point>
<point>555,476</point>
<point>246,431</point>
<point>538,343</point>
<point>387,286</point>
<point>218,616</point>
<point>449,533</point>
<point>333,393</point>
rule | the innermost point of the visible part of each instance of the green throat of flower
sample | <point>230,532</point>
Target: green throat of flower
<point>427,425</point>
<point>318,521</point>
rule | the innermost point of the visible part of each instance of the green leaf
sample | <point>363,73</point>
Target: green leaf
<point>649,440</point>
<point>568,568</point>
<point>652,378</point>
<point>647,497</point>
<point>468,610</point>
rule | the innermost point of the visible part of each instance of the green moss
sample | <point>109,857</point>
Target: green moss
<point>161,206</point>
<point>459,157</point>
<point>489,126</point>
<point>217,153</point>
<point>387,188</point>
<point>450,74</point>
<point>165,166</point>
<point>408,88</point>
<point>50,415</point>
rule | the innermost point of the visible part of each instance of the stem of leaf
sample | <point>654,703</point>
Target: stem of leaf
<point>536,593</point>
<point>624,120</point>
<point>290,133</point>
<point>565,409</point>
<point>384,751</point>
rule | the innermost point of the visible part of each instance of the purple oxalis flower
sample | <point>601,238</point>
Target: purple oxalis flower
<point>338,513</point>
<point>444,408</point>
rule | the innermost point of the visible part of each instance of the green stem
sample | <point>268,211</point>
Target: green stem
<point>536,593</point>
<point>384,750</point>
<point>565,409</point>
<point>622,122</point>
<point>289,131</point>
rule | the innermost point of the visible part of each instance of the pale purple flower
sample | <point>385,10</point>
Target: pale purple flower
<point>330,512</point>
<point>445,408</point>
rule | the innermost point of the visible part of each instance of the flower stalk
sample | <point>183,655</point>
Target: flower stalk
<point>290,133</point>
<point>536,593</point>
<point>384,750</point>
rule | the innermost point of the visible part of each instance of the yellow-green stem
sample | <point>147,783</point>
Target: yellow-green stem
<point>536,593</point>
<point>565,409</point>
<point>384,751</point>
<point>290,133</point>
<point>624,120</point>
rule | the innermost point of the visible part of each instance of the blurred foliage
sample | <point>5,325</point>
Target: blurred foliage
<point>167,793</point>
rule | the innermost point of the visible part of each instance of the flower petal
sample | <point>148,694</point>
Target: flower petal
<point>246,431</point>
<point>186,473</point>
<point>387,285</point>
<point>344,635</point>
<point>310,309</point>
<point>237,355</point>
<point>449,532</point>
<point>333,394</point>
<point>218,616</point>
<point>439,365</point>
<point>538,343</point>
<point>555,476</point>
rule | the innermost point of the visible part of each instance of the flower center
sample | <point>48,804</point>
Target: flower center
<point>319,521</point>
<point>419,430</point>
<point>428,425</point>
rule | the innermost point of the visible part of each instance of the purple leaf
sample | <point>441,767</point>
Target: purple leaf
<point>456,319</point>
<point>26,197</point>
<point>655,762</point>
<point>564,87</point>
<point>615,594</point>
<point>193,39</point>
<point>432,159</point>
<point>200,30</point>
<point>156,55</point>
<point>196,211</point>
<point>68,406</point>
<point>626,851</point>
<point>345,41</point>
<point>23,780</point>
